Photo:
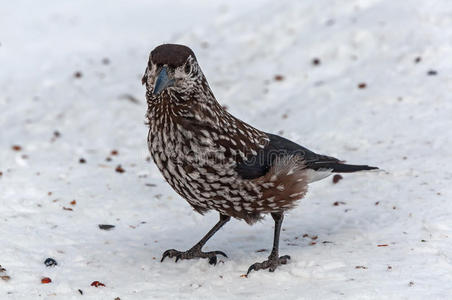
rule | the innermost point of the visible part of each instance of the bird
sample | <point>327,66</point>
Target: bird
<point>217,162</point>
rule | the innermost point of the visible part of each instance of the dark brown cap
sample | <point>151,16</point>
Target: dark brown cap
<point>171,54</point>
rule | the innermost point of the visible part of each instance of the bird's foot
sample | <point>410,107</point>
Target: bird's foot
<point>194,252</point>
<point>271,264</point>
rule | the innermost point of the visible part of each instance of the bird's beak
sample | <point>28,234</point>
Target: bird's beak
<point>162,82</point>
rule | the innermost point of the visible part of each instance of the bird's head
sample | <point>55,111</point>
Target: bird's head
<point>172,69</point>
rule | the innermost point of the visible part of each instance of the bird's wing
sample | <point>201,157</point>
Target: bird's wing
<point>258,165</point>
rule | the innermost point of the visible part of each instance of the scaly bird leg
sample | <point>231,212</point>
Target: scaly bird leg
<point>195,251</point>
<point>273,259</point>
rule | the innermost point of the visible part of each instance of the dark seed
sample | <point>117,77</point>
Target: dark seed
<point>432,73</point>
<point>362,85</point>
<point>316,61</point>
<point>50,262</point>
<point>106,226</point>
<point>119,169</point>
<point>278,78</point>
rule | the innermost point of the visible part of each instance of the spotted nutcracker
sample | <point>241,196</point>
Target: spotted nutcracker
<point>218,162</point>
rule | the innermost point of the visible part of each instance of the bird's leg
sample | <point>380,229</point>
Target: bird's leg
<point>195,251</point>
<point>274,260</point>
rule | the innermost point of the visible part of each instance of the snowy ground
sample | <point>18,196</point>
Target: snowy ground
<point>70,90</point>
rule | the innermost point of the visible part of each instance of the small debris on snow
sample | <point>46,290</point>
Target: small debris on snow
<point>106,226</point>
<point>97,283</point>
<point>278,78</point>
<point>316,61</point>
<point>16,147</point>
<point>119,169</point>
<point>361,267</point>
<point>362,85</point>
<point>46,280</point>
<point>337,203</point>
<point>50,262</point>
<point>56,134</point>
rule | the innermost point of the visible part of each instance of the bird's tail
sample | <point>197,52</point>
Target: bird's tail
<point>338,167</point>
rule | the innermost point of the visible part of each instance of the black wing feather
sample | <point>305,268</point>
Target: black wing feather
<point>258,165</point>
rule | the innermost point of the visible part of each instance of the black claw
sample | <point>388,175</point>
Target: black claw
<point>165,254</point>
<point>283,259</point>
<point>213,260</point>
<point>178,257</point>
<point>221,253</point>
<point>251,268</point>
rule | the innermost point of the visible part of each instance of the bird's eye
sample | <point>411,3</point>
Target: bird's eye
<point>187,68</point>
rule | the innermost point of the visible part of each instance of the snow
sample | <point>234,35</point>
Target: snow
<point>389,235</point>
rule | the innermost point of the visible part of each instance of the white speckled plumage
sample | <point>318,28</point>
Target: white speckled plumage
<point>204,143</point>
